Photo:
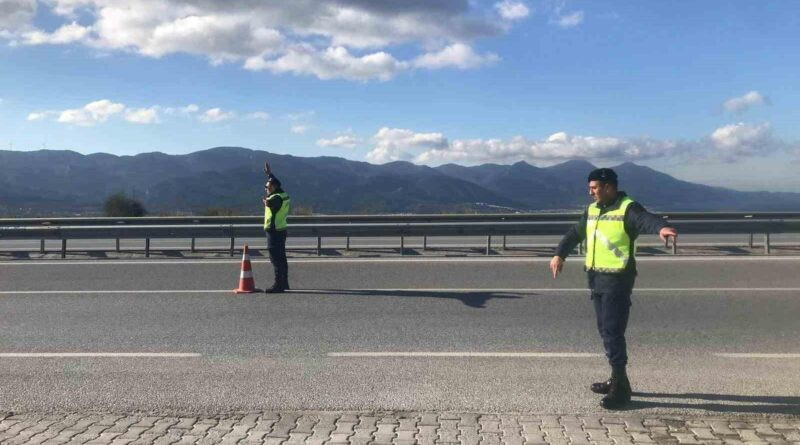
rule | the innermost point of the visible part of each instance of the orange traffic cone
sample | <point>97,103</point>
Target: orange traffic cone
<point>246,283</point>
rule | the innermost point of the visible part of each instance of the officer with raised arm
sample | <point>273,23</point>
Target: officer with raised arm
<point>276,210</point>
<point>610,227</point>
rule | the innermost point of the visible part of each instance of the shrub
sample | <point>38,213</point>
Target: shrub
<point>119,204</point>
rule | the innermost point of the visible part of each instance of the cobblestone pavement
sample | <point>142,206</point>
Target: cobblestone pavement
<point>338,428</point>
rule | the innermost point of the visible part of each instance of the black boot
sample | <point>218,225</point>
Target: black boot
<point>619,393</point>
<point>275,289</point>
<point>601,387</point>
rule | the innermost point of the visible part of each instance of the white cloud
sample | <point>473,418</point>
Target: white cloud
<point>745,102</point>
<point>341,141</point>
<point>16,14</point>
<point>396,144</point>
<point>334,62</point>
<point>569,20</point>
<point>456,55</point>
<point>258,115</point>
<point>727,143</point>
<point>346,39</point>
<point>744,140</point>
<point>299,129</point>
<point>72,32</point>
<point>512,10</point>
<point>188,109</point>
<point>142,115</point>
<point>216,115</point>
<point>39,115</point>
<point>91,113</point>
<point>557,147</point>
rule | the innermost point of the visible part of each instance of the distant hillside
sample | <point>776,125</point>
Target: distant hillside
<point>48,182</point>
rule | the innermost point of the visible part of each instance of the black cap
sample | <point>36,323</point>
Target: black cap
<point>604,175</point>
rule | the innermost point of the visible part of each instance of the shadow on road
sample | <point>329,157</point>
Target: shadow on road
<point>715,402</point>
<point>472,299</point>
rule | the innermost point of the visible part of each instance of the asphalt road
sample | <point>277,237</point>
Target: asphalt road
<point>284,352</point>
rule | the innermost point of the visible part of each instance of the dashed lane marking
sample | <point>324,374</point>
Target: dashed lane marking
<point>755,355</point>
<point>468,354</point>
<point>99,354</point>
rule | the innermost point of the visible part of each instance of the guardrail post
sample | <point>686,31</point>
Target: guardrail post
<point>751,241</point>
<point>193,247</point>
<point>674,246</point>
<point>425,242</point>
<point>489,245</point>
<point>347,244</point>
<point>117,245</point>
<point>580,248</point>
<point>233,240</point>
<point>766,244</point>
<point>41,246</point>
<point>402,245</point>
<point>504,242</point>
<point>319,246</point>
<point>147,247</point>
<point>63,248</point>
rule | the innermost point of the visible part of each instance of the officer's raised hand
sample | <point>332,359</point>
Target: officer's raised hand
<point>667,232</point>
<point>267,170</point>
<point>556,264</point>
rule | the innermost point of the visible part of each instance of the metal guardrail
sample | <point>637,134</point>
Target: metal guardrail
<point>367,219</point>
<point>352,229</point>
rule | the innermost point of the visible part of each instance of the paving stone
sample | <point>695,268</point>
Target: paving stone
<point>490,425</point>
<point>641,438</point>
<point>721,427</point>
<point>749,436</point>
<point>407,424</point>
<point>686,438</point>
<point>634,425</point>
<point>765,429</point>
<point>469,420</point>
<point>550,422</point>
<point>429,419</point>
<point>653,422</point>
<point>553,433</point>
<point>592,422</point>
<point>406,434</point>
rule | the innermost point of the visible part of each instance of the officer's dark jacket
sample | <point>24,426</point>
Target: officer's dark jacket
<point>637,220</point>
<point>274,204</point>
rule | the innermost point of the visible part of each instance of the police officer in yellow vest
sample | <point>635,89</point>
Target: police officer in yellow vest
<point>610,227</point>
<point>276,209</point>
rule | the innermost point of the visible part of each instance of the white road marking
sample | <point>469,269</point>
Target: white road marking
<point>755,355</point>
<point>432,290</point>
<point>575,260</point>
<point>468,354</point>
<point>99,354</point>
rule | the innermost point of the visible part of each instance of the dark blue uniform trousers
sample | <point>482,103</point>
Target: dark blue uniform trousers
<point>276,245</point>
<point>611,295</point>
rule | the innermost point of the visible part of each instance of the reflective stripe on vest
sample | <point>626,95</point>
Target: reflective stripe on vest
<point>280,216</point>
<point>608,246</point>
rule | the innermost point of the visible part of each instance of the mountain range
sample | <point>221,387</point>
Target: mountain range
<point>57,182</point>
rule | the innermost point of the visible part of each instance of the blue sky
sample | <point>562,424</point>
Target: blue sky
<point>705,91</point>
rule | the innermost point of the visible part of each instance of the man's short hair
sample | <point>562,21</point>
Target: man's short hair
<point>604,175</point>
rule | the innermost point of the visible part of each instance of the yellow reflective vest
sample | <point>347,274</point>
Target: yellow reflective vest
<point>608,246</point>
<point>280,215</point>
